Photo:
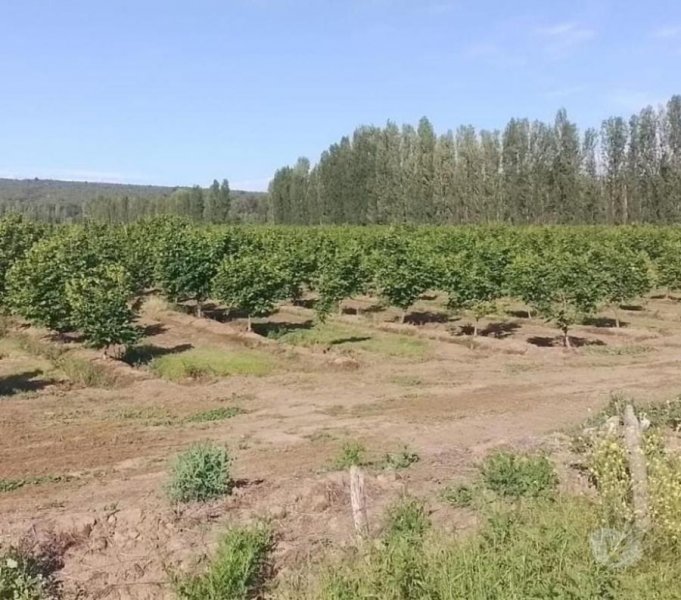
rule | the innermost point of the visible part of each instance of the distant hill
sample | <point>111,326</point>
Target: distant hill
<point>54,200</point>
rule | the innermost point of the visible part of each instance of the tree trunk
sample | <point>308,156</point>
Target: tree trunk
<point>403,316</point>
<point>249,325</point>
<point>358,501</point>
<point>637,468</point>
<point>475,329</point>
<point>529,313</point>
<point>199,309</point>
<point>617,318</point>
<point>566,338</point>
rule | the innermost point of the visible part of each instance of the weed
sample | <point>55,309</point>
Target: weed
<point>400,460</point>
<point>460,496</point>
<point>10,485</point>
<point>237,571</point>
<point>510,474</point>
<point>407,518</point>
<point>195,364</point>
<point>633,350</point>
<point>215,414</point>
<point>351,454</point>
<point>86,373</point>
<point>200,473</point>
<point>38,347</point>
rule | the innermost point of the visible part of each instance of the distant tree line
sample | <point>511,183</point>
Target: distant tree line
<point>531,172</point>
<point>73,202</point>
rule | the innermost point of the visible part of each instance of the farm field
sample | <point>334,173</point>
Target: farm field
<point>93,459</point>
<point>184,407</point>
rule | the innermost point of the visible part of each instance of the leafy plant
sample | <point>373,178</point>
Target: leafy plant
<point>215,414</point>
<point>250,284</point>
<point>461,496</point>
<point>99,302</point>
<point>400,460</point>
<point>352,453</point>
<point>200,473</point>
<point>236,572</point>
<point>514,475</point>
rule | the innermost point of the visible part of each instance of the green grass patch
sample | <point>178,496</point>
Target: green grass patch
<point>351,454</point>
<point>407,380</point>
<point>238,570</point>
<point>200,473</point>
<point>460,496</point>
<point>215,414</point>
<point>208,362</point>
<point>516,475</point>
<point>332,335</point>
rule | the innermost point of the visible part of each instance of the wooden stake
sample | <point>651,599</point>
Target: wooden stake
<point>637,468</point>
<point>358,501</point>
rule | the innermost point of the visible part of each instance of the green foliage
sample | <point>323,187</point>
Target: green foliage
<point>406,518</point>
<point>460,496</point>
<point>186,262</point>
<point>22,577</point>
<point>668,266</point>
<point>99,303</point>
<point>342,274</point>
<point>250,284</point>
<point>400,460</point>
<point>16,238</point>
<point>351,454</point>
<point>509,474</point>
<point>36,284</point>
<point>200,473</point>
<point>236,572</point>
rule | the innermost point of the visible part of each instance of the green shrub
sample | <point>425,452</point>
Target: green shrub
<point>400,460</point>
<point>351,454</point>
<point>461,496</point>
<point>408,518</point>
<point>238,570</point>
<point>23,577</point>
<point>513,475</point>
<point>200,473</point>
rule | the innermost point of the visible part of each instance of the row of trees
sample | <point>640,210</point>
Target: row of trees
<point>88,278</point>
<point>531,172</point>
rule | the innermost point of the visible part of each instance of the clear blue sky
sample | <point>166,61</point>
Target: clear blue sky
<point>184,91</point>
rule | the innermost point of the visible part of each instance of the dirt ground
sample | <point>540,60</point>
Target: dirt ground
<point>96,459</point>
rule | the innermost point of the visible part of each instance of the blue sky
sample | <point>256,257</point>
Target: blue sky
<point>181,92</point>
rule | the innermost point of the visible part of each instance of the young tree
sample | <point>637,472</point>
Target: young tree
<point>17,235</point>
<point>250,284</point>
<point>99,302</point>
<point>342,274</point>
<point>471,284</point>
<point>626,275</point>
<point>186,264</point>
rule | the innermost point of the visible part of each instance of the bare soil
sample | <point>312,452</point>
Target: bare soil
<point>96,460</point>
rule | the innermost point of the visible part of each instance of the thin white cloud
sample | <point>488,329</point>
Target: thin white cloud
<point>668,32</point>
<point>493,54</point>
<point>562,39</point>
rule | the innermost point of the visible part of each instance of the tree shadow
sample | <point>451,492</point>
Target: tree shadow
<point>274,330</point>
<point>557,341</point>
<point>500,330</point>
<point>427,316</point>
<point>350,340</point>
<point>632,307</point>
<point>602,322</point>
<point>518,314</point>
<point>27,381</point>
<point>428,296</point>
<point>153,329</point>
<point>374,308</point>
<point>305,302</point>
<point>144,354</point>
